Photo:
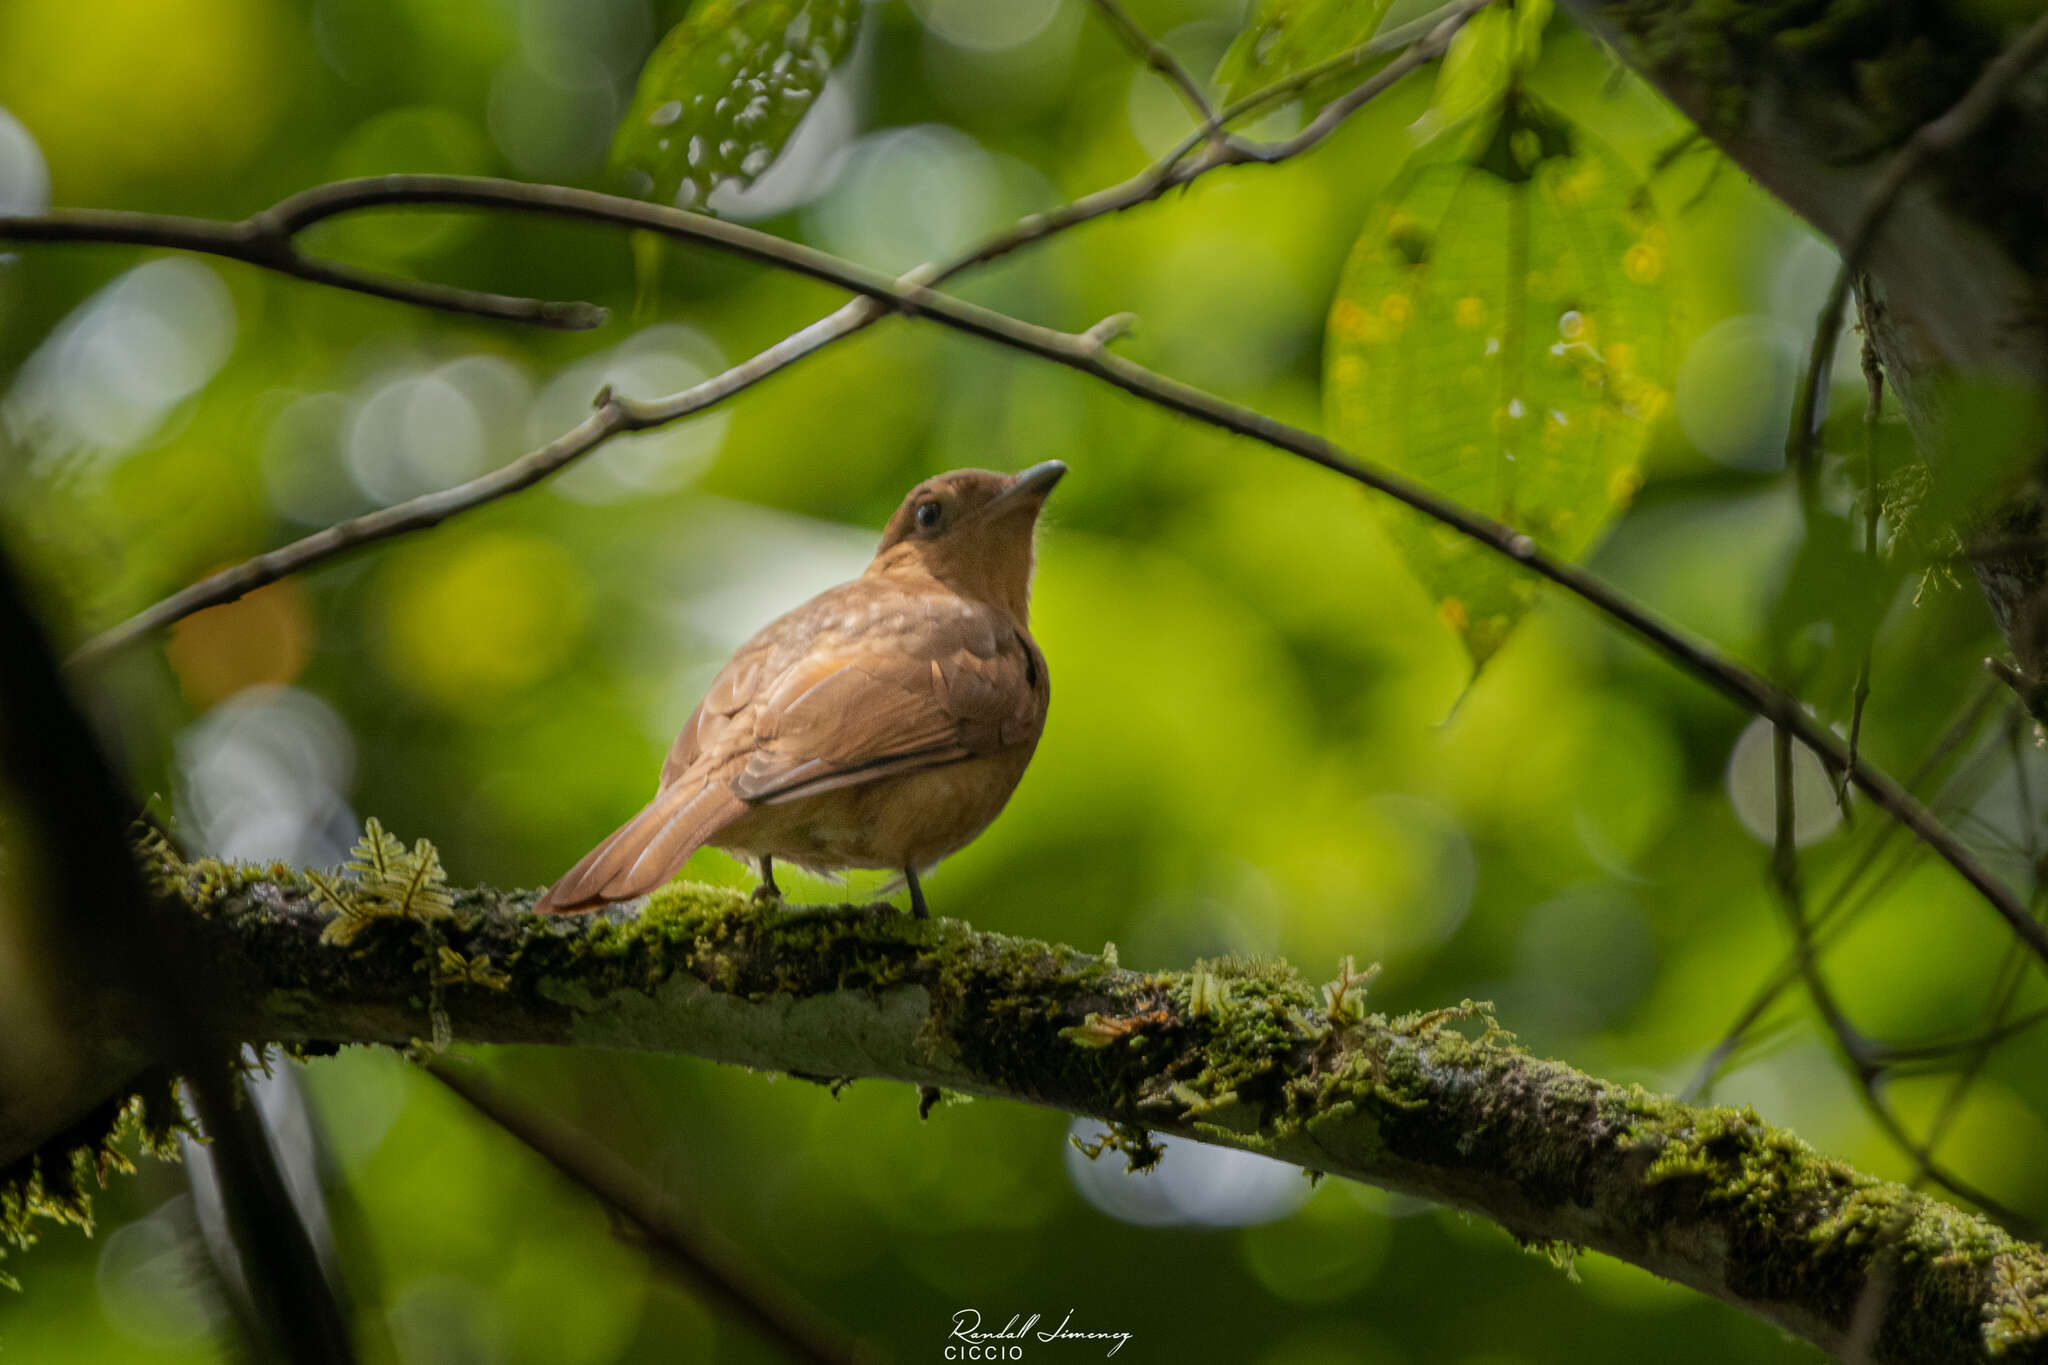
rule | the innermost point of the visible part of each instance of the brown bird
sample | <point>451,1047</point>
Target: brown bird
<point>881,724</point>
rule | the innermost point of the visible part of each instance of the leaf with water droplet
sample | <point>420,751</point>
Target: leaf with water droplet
<point>1285,37</point>
<point>725,89</point>
<point>1501,333</point>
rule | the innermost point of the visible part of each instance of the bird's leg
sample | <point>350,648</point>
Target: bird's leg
<point>767,888</point>
<point>917,905</point>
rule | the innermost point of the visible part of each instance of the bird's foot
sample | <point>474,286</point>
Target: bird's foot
<point>767,890</point>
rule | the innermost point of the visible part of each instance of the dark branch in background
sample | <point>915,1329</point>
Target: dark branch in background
<point>269,241</point>
<point>616,413</point>
<point>113,943</point>
<point>690,1251</point>
<point>1936,138</point>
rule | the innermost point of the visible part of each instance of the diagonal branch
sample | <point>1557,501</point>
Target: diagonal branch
<point>1239,1055</point>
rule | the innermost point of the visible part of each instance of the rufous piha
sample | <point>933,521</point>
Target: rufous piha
<point>882,724</point>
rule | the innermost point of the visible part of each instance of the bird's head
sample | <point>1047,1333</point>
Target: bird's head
<point>971,529</point>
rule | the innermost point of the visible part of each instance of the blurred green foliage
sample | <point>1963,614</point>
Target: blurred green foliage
<point>1248,747</point>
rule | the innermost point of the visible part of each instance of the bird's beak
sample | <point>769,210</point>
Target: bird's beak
<point>1030,486</point>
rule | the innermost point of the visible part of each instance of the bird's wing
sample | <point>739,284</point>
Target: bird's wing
<point>951,687</point>
<point>729,693</point>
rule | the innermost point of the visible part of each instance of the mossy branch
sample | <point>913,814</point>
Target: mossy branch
<point>1244,1054</point>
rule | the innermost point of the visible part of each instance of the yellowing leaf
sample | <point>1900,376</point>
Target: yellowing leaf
<point>725,89</point>
<point>1285,37</point>
<point>1501,335</point>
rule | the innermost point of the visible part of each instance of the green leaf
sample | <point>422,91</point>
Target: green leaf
<point>1475,75</point>
<point>1283,38</point>
<point>1531,18</point>
<point>1486,61</point>
<point>724,90</point>
<point>1501,334</point>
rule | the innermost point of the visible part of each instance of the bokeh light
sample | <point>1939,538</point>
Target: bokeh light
<point>1193,1185</point>
<point>985,27</point>
<point>1753,788</point>
<point>909,195</point>
<point>266,775</point>
<point>155,1285</point>
<point>114,370</point>
<point>653,363</point>
<point>24,177</point>
<point>1734,392</point>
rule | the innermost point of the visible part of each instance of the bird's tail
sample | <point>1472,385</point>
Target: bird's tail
<point>647,850</point>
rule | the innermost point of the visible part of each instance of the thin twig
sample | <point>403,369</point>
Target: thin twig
<point>2011,972</point>
<point>687,1249</point>
<point>1075,351</point>
<point>1873,407</point>
<point>1899,1056</point>
<point>1840,911</point>
<point>1430,46</point>
<point>1148,50</point>
<point>1855,1048</point>
<point>1934,138</point>
<point>269,241</point>
<point>1401,36</point>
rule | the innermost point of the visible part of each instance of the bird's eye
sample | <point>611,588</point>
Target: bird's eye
<point>928,514</point>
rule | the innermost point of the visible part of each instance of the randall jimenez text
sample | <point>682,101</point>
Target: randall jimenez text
<point>971,1342</point>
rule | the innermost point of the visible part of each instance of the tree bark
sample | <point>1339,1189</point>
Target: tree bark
<point>1813,100</point>
<point>1440,1105</point>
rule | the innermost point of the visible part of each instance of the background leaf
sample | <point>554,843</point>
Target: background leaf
<point>1485,63</point>
<point>1283,37</point>
<point>1500,334</point>
<point>724,90</point>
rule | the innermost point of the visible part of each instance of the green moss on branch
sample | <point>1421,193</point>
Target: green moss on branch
<point>1245,1053</point>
